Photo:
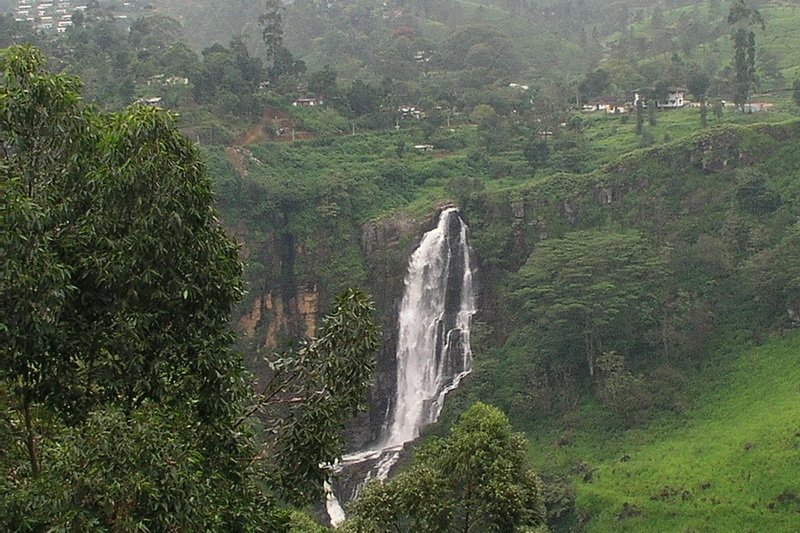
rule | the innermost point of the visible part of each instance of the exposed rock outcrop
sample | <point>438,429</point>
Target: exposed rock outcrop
<point>381,234</point>
<point>272,317</point>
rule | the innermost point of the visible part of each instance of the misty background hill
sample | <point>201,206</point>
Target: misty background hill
<point>531,42</point>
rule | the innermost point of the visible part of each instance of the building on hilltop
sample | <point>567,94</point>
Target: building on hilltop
<point>610,105</point>
<point>307,102</point>
<point>676,97</point>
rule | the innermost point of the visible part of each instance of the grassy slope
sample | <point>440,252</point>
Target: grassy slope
<point>781,38</point>
<point>722,466</point>
<point>609,137</point>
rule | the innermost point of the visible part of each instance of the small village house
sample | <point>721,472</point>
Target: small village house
<point>307,102</point>
<point>676,97</point>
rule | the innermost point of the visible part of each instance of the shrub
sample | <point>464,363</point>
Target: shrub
<point>623,393</point>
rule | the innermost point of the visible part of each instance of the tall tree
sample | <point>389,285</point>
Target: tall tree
<point>116,298</point>
<point>476,479</point>
<point>271,22</point>
<point>640,116</point>
<point>652,118</point>
<point>742,18</point>
<point>589,292</point>
<point>283,62</point>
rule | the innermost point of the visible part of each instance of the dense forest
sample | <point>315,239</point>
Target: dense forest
<point>209,210</point>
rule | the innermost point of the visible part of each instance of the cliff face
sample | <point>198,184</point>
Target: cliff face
<point>288,301</point>
<point>283,303</point>
<point>683,196</point>
<point>277,305</point>
<point>273,317</point>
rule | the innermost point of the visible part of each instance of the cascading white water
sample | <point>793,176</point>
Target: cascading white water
<point>433,352</point>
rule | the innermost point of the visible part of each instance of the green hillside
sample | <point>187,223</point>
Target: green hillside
<point>639,270</point>
<point>730,463</point>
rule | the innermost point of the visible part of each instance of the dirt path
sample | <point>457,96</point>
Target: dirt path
<point>257,133</point>
<point>262,132</point>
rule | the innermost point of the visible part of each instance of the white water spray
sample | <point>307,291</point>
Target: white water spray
<point>433,351</point>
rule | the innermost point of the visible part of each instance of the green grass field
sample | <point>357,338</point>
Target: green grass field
<point>731,463</point>
<point>781,37</point>
<point>612,135</point>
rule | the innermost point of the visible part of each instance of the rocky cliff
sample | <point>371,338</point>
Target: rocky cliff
<point>726,188</point>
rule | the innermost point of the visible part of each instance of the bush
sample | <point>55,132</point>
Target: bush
<point>325,121</point>
<point>448,140</point>
<point>499,168</point>
<point>667,388</point>
<point>478,159</point>
<point>623,393</point>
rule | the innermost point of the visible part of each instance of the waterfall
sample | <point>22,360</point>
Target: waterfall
<point>433,352</point>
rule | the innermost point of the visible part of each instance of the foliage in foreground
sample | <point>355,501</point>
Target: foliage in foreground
<point>140,471</point>
<point>477,479</point>
<point>123,404</point>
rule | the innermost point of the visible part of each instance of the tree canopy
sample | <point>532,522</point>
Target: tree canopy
<point>124,407</point>
<point>742,18</point>
<point>588,290</point>
<point>475,480</point>
<point>120,281</point>
<point>117,290</point>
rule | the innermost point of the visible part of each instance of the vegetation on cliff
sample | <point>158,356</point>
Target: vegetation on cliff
<point>694,240</point>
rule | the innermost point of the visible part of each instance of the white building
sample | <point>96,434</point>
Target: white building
<point>676,97</point>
